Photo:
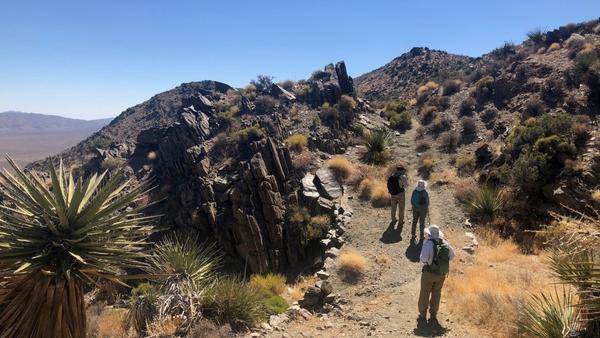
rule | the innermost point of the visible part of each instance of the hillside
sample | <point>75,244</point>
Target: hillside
<point>28,136</point>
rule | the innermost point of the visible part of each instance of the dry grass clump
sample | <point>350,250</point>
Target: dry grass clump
<point>553,47</point>
<point>464,190</point>
<point>273,282</point>
<point>374,190</point>
<point>427,114</point>
<point>352,262</point>
<point>447,176</point>
<point>302,162</point>
<point>341,166</point>
<point>429,86</point>
<point>111,323</point>
<point>297,142</point>
<point>296,292</point>
<point>427,162</point>
<point>596,195</point>
<point>489,289</point>
<point>164,328</point>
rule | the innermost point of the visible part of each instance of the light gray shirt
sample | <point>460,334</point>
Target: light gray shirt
<point>427,252</point>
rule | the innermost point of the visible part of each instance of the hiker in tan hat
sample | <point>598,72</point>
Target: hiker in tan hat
<point>435,256</point>
<point>420,207</point>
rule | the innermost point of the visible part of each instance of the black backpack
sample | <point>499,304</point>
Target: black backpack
<point>393,185</point>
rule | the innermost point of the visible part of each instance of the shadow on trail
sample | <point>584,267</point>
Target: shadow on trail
<point>430,328</point>
<point>392,235</point>
<point>414,251</point>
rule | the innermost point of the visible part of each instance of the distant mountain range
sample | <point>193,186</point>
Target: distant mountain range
<point>18,122</point>
<point>27,137</point>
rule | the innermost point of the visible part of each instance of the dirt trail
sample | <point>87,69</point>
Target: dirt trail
<point>384,302</point>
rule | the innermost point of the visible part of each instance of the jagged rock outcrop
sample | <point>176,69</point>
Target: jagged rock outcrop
<point>328,85</point>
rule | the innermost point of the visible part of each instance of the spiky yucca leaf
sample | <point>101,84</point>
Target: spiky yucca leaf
<point>487,201</point>
<point>55,239</point>
<point>549,315</point>
<point>377,143</point>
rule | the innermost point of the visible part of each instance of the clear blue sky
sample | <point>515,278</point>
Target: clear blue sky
<point>93,59</point>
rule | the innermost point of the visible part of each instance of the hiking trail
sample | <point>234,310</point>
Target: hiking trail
<point>383,303</point>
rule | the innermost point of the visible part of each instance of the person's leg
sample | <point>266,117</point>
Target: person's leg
<point>422,216</point>
<point>401,205</point>
<point>394,201</point>
<point>426,285</point>
<point>415,219</point>
<point>436,295</point>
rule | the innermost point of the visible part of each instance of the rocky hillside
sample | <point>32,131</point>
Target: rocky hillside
<point>400,78</point>
<point>219,158</point>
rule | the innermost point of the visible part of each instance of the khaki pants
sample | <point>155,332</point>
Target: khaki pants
<point>431,285</point>
<point>398,203</point>
<point>419,215</point>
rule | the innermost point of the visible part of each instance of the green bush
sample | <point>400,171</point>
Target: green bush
<point>450,87</point>
<point>530,171</point>
<point>467,106</point>
<point>401,121</point>
<point>507,49</point>
<point>142,307</point>
<point>273,282</point>
<point>275,305</point>
<point>484,88</point>
<point>487,202</point>
<point>555,147</point>
<point>449,141</point>
<point>329,113</point>
<point>396,106</point>
<point>536,36</point>
<point>377,143</point>
<point>234,302</point>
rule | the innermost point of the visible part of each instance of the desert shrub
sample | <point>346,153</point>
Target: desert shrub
<point>465,162</point>
<point>420,133</point>
<point>469,125</point>
<point>575,43</point>
<point>549,315</point>
<point>530,171</point>
<point>581,133</point>
<point>487,202</point>
<point>329,113</point>
<point>298,215</point>
<point>450,87</point>
<point>164,327</point>
<point>250,91</point>
<point>489,114</point>
<point>536,35</point>
<point>374,190</point>
<point>207,329</point>
<point>273,282</point>
<point>449,141</point>
<point>504,51</point>
<point>427,162</point>
<point>467,106</point>
<point>142,307</point>
<point>113,163</point>
<point>318,226</point>
<point>377,144</point>
<point>112,324</point>
<point>441,123</point>
<point>427,114</point>
<point>265,104</point>
<point>302,162</point>
<point>555,147</point>
<point>401,121</point>
<point>484,88</point>
<point>346,104</point>
<point>297,142</point>
<point>442,102</point>
<point>287,85</point>
<point>396,106</point>
<point>262,83</point>
<point>97,142</point>
<point>554,47</point>
<point>534,107</point>
<point>352,262</point>
<point>341,166</point>
<point>464,190</point>
<point>234,302</point>
<point>429,86</point>
<point>275,305</point>
<point>552,91</point>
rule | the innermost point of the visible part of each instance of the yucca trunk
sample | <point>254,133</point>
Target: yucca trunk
<point>39,305</point>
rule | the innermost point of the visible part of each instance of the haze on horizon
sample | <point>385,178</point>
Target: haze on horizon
<point>93,60</point>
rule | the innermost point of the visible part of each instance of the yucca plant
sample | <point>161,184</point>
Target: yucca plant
<point>188,270</point>
<point>377,143</point>
<point>54,240</point>
<point>486,202</point>
<point>142,307</point>
<point>549,315</point>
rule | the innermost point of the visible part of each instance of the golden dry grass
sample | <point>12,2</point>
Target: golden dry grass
<point>273,282</point>
<point>553,47</point>
<point>488,289</point>
<point>320,220</point>
<point>164,328</point>
<point>596,195</point>
<point>374,190</point>
<point>353,262</point>
<point>342,167</point>
<point>447,176</point>
<point>296,291</point>
<point>112,324</point>
<point>427,163</point>
<point>297,142</point>
<point>464,189</point>
<point>430,85</point>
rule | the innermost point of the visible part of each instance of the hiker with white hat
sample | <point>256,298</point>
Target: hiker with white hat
<point>420,207</point>
<point>435,256</point>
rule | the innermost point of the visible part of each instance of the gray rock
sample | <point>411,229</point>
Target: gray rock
<point>332,252</point>
<point>327,184</point>
<point>329,263</point>
<point>323,274</point>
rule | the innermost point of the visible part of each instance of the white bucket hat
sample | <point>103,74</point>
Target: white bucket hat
<point>434,232</point>
<point>421,185</point>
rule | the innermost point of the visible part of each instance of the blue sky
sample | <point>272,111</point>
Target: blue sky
<point>93,59</point>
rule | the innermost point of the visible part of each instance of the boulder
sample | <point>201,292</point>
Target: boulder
<point>327,184</point>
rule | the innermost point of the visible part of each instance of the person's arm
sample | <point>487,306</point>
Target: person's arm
<point>451,251</point>
<point>427,198</point>
<point>404,182</point>
<point>427,252</point>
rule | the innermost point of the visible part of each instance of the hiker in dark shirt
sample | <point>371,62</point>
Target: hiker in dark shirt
<point>397,184</point>
<point>420,208</point>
